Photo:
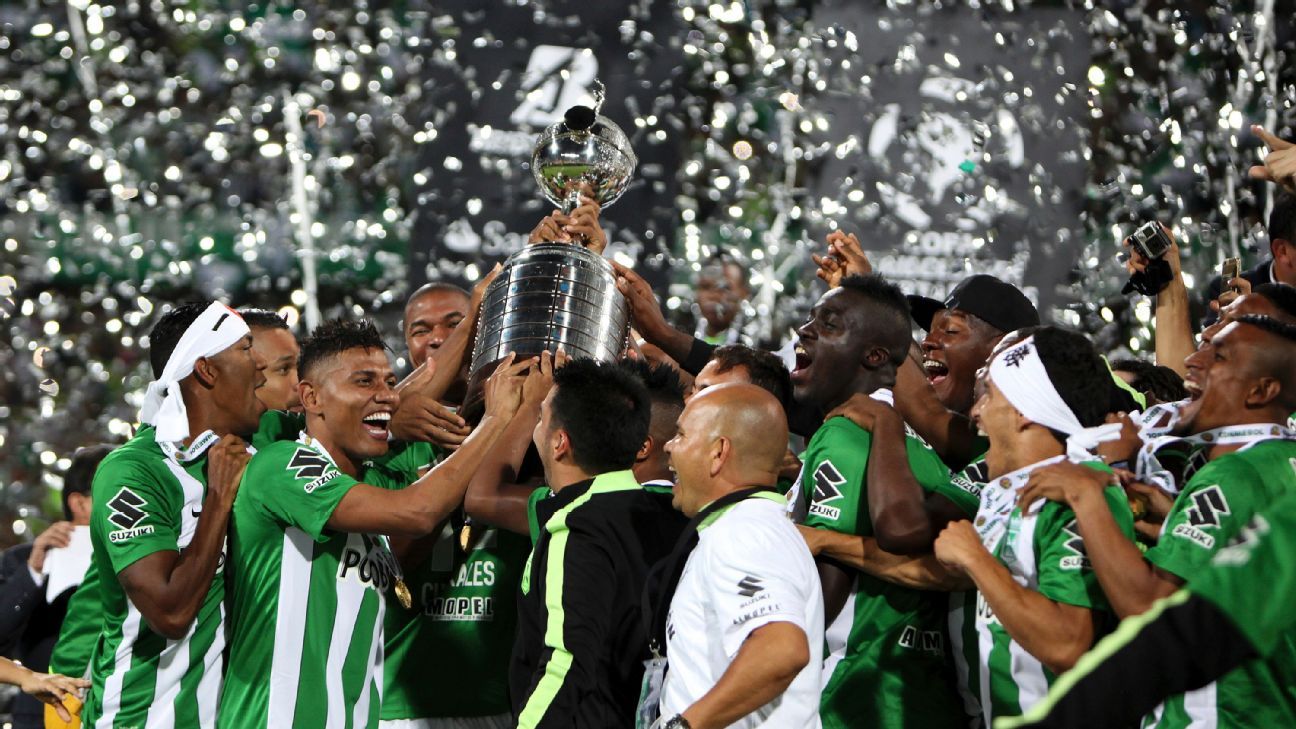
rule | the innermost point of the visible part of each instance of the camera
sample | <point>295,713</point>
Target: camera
<point>1150,240</point>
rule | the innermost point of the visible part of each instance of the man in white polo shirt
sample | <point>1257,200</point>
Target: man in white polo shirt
<point>744,632</point>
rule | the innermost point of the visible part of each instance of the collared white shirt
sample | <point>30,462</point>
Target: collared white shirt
<point>750,568</point>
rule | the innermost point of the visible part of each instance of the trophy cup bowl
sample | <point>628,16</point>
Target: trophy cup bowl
<point>552,295</point>
<point>585,153</point>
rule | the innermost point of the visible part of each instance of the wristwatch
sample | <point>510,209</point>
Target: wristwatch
<point>677,722</point>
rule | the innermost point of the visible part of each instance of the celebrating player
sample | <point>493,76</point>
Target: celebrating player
<point>1246,387</point>
<point>883,640</point>
<point>309,566</point>
<point>161,503</point>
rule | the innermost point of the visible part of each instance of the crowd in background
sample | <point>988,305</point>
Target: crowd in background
<point>989,524</point>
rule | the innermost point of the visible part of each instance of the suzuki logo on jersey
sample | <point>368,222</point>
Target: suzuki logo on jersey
<point>127,513</point>
<point>749,586</point>
<point>306,463</point>
<point>827,488</point>
<point>367,563</point>
<point>1078,559</point>
<point>1208,506</point>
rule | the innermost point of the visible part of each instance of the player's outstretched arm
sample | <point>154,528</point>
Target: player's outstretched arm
<point>168,587</point>
<point>494,496</point>
<point>922,572</point>
<point>417,509</point>
<point>1131,583</point>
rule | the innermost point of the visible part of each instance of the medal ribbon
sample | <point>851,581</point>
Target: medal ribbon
<point>1149,469</point>
<point>999,499</point>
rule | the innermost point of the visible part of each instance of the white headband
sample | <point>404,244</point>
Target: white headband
<point>1019,374</point>
<point>218,328</point>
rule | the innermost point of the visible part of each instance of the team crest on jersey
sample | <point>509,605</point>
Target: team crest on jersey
<point>1208,508</point>
<point>827,489</point>
<point>307,463</point>
<point>127,513</point>
<point>1078,558</point>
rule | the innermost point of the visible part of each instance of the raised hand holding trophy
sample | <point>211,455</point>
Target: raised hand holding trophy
<point>558,295</point>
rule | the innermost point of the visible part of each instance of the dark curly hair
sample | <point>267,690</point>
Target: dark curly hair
<point>335,337</point>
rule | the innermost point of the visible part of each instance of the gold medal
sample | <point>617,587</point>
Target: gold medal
<point>403,595</point>
<point>465,536</point>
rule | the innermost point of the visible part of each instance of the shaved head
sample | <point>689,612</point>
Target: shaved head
<point>731,437</point>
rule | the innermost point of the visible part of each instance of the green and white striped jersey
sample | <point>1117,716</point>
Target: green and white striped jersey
<point>1044,552</point>
<point>306,603</point>
<point>1211,509</point>
<point>147,500</point>
<point>886,660</point>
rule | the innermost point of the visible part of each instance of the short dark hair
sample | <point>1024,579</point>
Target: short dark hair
<point>335,337</point>
<point>1282,219</point>
<point>665,394</point>
<point>80,473</point>
<point>1077,372</point>
<point>168,330</point>
<point>661,380</point>
<point>893,307</point>
<point>605,411</point>
<point>765,369</point>
<point>434,287</point>
<point>1159,381</point>
<point>263,319</point>
<point>1281,295</point>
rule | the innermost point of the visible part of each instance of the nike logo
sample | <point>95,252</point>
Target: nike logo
<point>196,512</point>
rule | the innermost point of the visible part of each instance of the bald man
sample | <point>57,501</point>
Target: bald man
<point>744,632</point>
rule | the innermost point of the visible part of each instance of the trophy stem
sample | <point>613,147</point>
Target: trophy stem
<point>573,201</point>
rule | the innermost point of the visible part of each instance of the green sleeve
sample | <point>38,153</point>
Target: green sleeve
<point>533,519</point>
<point>295,485</point>
<point>964,492</point>
<point>1253,578</point>
<point>932,473</point>
<point>1211,507</point>
<point>81,627</point>
<point>403,464</point>
<point>1065,574</point>
<point>135,510</point>
<point>835,463</point>
<point>277,425</point>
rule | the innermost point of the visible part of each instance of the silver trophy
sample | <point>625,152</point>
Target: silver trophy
<point>552,295</point>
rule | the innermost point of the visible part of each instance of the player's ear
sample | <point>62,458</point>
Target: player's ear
<point>560,442</point>
<point>205,372</point>
<point>876,357</point>
<point>309,395</point>
<point>1263,392</point>
<point>645,449</point>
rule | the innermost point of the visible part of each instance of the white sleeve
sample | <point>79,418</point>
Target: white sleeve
<point>753,582</point>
